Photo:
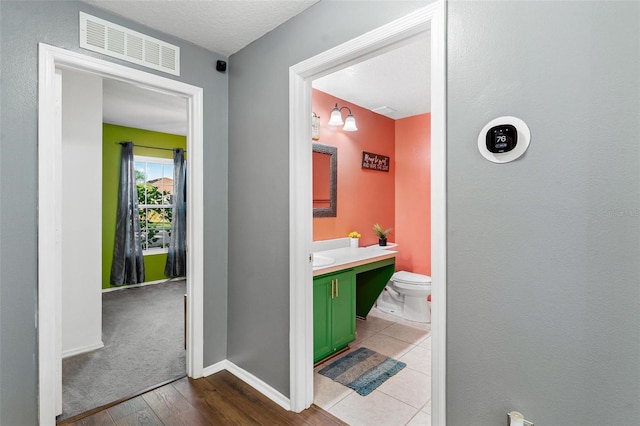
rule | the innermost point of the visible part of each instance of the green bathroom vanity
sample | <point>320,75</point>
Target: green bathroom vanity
<point>344,290</point>
<point>334,313</point>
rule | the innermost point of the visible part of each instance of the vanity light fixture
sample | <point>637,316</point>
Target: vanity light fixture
<point>336,119</point>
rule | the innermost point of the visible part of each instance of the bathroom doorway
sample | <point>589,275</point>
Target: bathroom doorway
<point>389,97</point>
<point>51,60</point>
<point>430,18</point>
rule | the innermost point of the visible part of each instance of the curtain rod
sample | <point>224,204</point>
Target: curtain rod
<point>150,147</point>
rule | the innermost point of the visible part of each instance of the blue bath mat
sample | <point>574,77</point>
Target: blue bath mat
<point>363,370</point>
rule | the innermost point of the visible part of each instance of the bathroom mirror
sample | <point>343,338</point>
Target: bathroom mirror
<point>325,180</point>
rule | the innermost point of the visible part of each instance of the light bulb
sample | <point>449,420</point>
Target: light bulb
<point>336,117</point>
<point>350,124</point>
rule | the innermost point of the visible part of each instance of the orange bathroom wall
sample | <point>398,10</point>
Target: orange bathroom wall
<point>413,194</point>
<point>365,197</point>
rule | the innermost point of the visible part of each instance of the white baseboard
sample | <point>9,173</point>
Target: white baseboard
<point>251,380</point>
<point>78,351</point>
<point>213,369</point>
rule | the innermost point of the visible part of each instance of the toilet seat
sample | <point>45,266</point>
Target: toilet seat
<point>411,278</point>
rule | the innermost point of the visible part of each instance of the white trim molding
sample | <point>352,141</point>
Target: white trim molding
<point>430,18</point>
<point>253,381</point>
<point>82,350</point>
<point>258,384</point>
<point>49,230</point>
<point>438,216</point>
<point>213,369</point>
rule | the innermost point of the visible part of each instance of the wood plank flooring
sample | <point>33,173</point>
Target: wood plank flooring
<point>220,399</point>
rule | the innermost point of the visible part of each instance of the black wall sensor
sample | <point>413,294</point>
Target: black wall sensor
<point>221,66</point>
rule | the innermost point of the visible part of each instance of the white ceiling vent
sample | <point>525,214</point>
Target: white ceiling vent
<point>119,42</point>
<point>385,110</point>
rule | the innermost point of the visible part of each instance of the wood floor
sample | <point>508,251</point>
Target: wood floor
<point>220,399</point>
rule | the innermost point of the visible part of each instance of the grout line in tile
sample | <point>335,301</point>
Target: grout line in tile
<point>401,401</point>
<point>412,346</point>
<point>412,417</point>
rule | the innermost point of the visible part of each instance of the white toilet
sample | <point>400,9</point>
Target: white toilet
<point>406,296</point>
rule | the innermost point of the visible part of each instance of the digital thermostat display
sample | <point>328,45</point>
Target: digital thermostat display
<point>504,139</point>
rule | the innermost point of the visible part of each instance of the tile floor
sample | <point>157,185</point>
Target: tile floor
<point>404,399</point>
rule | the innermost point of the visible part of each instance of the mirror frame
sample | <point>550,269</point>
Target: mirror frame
<point>332,210</point>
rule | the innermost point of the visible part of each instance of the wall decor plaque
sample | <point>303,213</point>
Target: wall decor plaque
<point>375,161</point>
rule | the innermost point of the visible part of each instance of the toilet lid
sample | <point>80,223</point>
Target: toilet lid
<point>410,278</point>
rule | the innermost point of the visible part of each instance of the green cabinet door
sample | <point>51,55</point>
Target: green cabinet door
<point>343,328</point>
<point>334,315</point>
<point>321,319</point>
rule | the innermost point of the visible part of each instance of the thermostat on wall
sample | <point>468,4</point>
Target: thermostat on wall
<point>504,139</point>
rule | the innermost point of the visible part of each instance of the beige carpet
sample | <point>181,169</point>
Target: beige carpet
<point>143,334</point>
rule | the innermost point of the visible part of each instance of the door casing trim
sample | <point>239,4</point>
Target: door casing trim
<point>50,59</point>
<point>431,18</point>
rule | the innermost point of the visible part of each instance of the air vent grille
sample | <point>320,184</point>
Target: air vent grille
<point>119,42</point>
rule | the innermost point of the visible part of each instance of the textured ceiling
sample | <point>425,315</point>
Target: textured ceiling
<point>399,80</point>
<point>128,105</point>
<point>221,26</point>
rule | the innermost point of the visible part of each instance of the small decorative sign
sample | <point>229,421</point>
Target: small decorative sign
<point>315,127</point>
<point>375,161</point>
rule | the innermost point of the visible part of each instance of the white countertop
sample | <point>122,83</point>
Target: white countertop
<point>349,257</point>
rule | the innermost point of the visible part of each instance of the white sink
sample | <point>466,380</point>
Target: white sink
<point>319,260</point>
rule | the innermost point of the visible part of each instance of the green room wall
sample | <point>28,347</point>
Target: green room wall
<point>111,136</point>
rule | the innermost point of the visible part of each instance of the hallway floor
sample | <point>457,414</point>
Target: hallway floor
<point>220,399</point>
<point>404,399</point>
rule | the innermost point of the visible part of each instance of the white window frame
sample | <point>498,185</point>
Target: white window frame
<point>157,160</point>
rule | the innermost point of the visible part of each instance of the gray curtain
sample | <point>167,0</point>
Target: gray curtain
<point>177,257</point>
<point>128,263</point>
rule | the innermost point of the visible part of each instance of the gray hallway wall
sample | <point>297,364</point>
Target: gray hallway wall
<point>543,289</point>
<point>544,299</point>
<point>259,176</point>
<point>23,24</point>
<point>543,307</point>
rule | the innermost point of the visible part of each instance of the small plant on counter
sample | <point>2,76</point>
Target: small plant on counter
<point>380,233</point>
<point>354,234</point>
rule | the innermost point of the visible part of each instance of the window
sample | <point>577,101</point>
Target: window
<point>154,179</point>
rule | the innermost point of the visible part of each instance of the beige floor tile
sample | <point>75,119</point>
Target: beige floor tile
<point>373,324</point>
<point>361,335</point>
<point>405,333</point>
<point>418,359</point>
<point>386,345</point>
<point>326,392</point>
<point>376,408</point>
<point>408,386</point>
<point>421,325</point>
<point>420,419</point>
<point>427,407</point>
<point>426,343</point>
<point>405,340</point>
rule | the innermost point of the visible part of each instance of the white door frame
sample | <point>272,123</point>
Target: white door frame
<point>300,211</point>
<point>49,211</point>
